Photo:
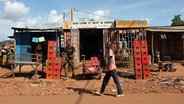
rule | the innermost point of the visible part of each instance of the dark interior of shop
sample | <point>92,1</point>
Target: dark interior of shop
<point>91,42</point>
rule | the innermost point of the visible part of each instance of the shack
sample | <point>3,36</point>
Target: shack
<point>31,46</point>
<point>168,41</point>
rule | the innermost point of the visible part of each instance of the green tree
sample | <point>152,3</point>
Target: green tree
<point>176,21</point>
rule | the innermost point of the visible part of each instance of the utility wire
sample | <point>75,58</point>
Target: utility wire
<point>94,14</point>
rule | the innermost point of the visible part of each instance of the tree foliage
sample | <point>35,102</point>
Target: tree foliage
<point>176,21</point>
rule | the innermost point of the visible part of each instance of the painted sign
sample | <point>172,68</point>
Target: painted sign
<point>93,24</point>
<point>130,23</point>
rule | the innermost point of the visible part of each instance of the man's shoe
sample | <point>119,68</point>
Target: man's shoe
<point>119,95</point>
<point>98,93</point>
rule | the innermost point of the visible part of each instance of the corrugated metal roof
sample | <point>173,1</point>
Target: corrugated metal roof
<point>36,29</point>
<point>166,29</point>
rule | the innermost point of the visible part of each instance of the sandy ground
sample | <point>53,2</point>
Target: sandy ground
<point>91,99</point>
<point>162,87</point>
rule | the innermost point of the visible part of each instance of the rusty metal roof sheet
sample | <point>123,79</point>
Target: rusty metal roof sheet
<point>166,29</point>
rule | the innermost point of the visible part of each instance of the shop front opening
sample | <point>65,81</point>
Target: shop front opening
<point>91,43</point>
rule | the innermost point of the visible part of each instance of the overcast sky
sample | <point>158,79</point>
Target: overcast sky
<point>49,13</point>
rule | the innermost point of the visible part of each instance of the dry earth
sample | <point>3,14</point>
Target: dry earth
<point>23,85</point>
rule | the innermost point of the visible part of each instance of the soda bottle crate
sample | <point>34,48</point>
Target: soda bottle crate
<point>137,54</point>
<point>49,70</point>
<point>138,71</point>
<point>144,54</point>
<point>146,71</point>
<point>145,65</point>
<point>56,76</point>
<point>137,66</point>
<point>51,49</point>
<point>50,59</point>
<point>57,65</point>
<point>146,76</point>
<point>90,69</point>
<point>144,43</point>
<point>138,76</point>
<point>48,76</point>
<point>49,64</point>
<point>136,43</point>
<point>137,49</point>
<point>137,60</point>
<point>94,61</point>
<point>56,71</point>
<point>57,60</point>
<point>145,60</point>
<point>144,49</point>
<point>94,58</point>
<point>51,54</point>
<point>51,43</point>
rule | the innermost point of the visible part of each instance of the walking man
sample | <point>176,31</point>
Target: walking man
<point>111,71</point>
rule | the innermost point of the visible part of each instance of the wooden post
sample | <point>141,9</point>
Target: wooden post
<point>152,47</point>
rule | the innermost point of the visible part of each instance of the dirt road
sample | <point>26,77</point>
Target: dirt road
<point>92,99</point>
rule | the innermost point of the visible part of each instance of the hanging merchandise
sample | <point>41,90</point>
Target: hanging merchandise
<point>62,44</point>
<point>41,39</point>
<point>35,39</point>
<point>124,44</point>
<point>62,41</point>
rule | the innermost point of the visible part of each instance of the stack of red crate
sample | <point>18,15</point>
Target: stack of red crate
<point>137,59</point>
<point>141,61</point>
<point>145,60</point>
<point>53,63</point>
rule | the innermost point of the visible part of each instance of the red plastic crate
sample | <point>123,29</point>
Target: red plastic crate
<point>138,71</point>
<point>146,71</point>
<point>50,59</point>
<point>51,54</point>
<point>137,49</point>
<point>48,76</point>
<point>56,71</point>
<point>136,43</point>
<point>138,66</point>
<point>137,54</point>
<point>144,49</point>
<point>56,76</point>
<point>94,61</point>
<point>145,60</point>
<point>50,64</point>
<point>51,49</point>
<point>57,65</point>
<point>145,65</point>
<point>49,70</point>
<point>94,58</point>
<point>57,60</point>
<point>51,43</point>
<point>138,76</point>
<point>146,76</point>
<point>90,69</point>
<point>144,43</point>
<point>144,54</point>
<point>137,60</point>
